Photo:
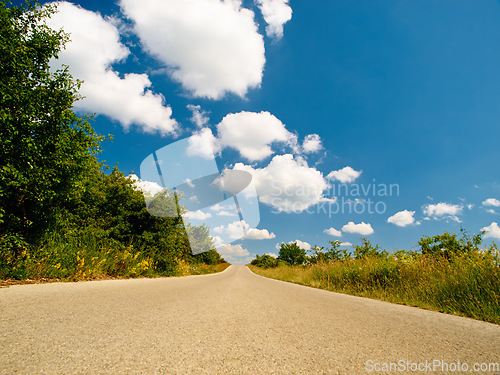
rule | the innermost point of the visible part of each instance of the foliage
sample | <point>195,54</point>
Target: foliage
<point>448,245</point>
<point>46,149</point>
<point>62,213</point>
<point>366,249</point>
<point>467,282</point>
<point>265,261</point>
<point>292,253</point>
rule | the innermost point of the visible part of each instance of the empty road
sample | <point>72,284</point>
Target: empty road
<point>234,322</point>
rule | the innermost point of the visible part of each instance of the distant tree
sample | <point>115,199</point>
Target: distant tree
<point>292,253</point>
<point>265,261</point>
<point>367,250</point>
<point>447,244</point>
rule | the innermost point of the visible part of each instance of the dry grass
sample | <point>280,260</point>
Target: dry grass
<point>467,285</point>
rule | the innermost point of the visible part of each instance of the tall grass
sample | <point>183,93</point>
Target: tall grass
<point>466,284</point>
<point>89,253</point>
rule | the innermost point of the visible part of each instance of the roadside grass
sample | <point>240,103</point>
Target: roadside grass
<point>466,284</point>
<point>89,255</point>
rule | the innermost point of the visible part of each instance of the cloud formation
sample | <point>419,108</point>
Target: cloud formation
<point>491,202</point>
<point>211,47</point>
<point>344,175</point>
<point>252,134</point>
<point>312,143</point>
<point>288,184</point>
<point>492,231</point>
<point>402,218</point>
<point>276,13</point>
<point>95,45</point>
<point>333,232</point>
<point>362,228</point>
<point>443,211</point>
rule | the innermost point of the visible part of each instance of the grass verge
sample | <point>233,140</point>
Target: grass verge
<point>466,285</point>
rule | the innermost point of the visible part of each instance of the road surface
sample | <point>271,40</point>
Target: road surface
<point>234,322</point>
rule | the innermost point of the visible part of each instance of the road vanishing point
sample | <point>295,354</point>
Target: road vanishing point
<point>234,322</point>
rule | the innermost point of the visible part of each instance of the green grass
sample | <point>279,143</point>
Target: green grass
<point>86,254</point>
<point>467,285</point>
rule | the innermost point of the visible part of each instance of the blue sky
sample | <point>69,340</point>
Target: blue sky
<point>386,93</point>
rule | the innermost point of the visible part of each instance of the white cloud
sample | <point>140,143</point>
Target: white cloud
<point>226,213</point>
<point>402,218</point>
<point>148,188</point>
<point>259,234</point>
<point>234,254</point>
<point>344,175</point>
<point>492,202</point>
<point>362,228</point>
<point>346,244</point>
<point>288,184</point>
<point>197,215</point>
<point>94,47</point>
<point>276,13</point>
<point>252,134</point>
<point>238,228</point>
<point>312,143</point>
<point>302,244</point>
<point>200,117</point>
<point>272,255</point>
<point>443,210</point>
<point>211,47</point>
<point>492,231</point>
<point>203,143</point>
<point>333,232</point>
<point>217,241</point>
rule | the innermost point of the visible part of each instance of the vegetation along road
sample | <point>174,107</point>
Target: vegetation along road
<point>233,322</point>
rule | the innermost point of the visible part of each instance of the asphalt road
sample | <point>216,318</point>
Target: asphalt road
<point>234,322</point>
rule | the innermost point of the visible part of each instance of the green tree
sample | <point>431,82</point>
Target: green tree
<point>447,244</point>
<point>45,148</point>
<point>292,253</point>
<point>367,250</point>
<point>265,261</point>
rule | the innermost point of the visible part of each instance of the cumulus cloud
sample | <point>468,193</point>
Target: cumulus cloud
<point>344,175</point>
<point>312,143</point>
<point>272,255</point>
<point>346,244</point>
<point>94,47</point>
<point>148,188</point>
<point>252,134</point>
<point>234,254</point>
<point>200,117</point>
<point>491,202</point>
<point>197,215</point>
<point>492,231</point>
<point>259,234</point>
<point>276,13</point>
<point>362,228</point>
<point>211,47</point>
<point>443,211</point>
<point>302,244</point>
<point>333,232</point>
<point>288,184</point>
<point>240,229</point>
<point>203,143</point>
<point>402,218</point>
